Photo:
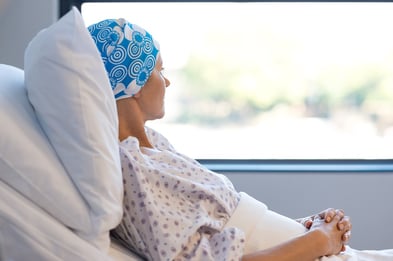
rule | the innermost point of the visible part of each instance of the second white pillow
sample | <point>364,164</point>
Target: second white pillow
<point>69,89</point>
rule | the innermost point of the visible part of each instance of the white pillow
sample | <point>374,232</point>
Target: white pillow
<point>68,86</point>
<point>28,162</point>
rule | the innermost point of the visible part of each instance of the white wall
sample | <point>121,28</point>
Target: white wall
<point>20,20</point>
<point>366,198</point>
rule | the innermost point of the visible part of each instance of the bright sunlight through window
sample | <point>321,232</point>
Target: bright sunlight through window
<point>272,80</point>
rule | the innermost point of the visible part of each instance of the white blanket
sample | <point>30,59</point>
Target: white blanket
<point>265,228</point>
<point>29,233</point>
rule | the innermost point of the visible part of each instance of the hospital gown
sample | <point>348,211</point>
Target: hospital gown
<point>174,208</point>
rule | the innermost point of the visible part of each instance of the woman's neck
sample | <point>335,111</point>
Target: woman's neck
<point>131,122</point>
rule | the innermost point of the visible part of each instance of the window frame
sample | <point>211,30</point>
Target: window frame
<point>269,165</point>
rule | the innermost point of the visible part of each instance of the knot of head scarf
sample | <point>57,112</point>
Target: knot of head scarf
<point>129,54</point>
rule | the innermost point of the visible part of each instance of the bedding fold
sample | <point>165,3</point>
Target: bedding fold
<point>29,233</point>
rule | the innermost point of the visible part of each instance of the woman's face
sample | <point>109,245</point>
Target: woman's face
<point>151,97</point>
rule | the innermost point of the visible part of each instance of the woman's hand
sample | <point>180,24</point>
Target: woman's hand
<point>328,215</point>
<point>331,233</point>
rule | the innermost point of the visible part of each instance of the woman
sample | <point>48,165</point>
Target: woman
<point>176,209</point>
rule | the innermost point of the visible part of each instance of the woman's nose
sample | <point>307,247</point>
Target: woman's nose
<point>167,82</point>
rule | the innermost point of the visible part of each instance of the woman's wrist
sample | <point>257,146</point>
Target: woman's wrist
<point>318,242</point>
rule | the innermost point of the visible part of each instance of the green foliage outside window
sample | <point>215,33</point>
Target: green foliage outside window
<point>232,78</point>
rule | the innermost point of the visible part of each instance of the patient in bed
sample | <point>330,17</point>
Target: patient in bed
<point>175,208</point>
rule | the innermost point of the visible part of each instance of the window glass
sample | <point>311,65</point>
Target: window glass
<point>272,80</point>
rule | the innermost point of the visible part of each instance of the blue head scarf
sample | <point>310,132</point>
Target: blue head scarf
<point>129,54</point>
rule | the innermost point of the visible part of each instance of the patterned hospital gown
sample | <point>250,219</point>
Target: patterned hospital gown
<point>174,208</point>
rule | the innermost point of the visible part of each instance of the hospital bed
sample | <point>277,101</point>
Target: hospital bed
<point>61,185</point>
<point>60,176</point>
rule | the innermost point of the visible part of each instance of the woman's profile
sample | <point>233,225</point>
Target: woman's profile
<point>175,208</point>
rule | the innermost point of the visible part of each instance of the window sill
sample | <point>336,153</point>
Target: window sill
<point>228,165</point>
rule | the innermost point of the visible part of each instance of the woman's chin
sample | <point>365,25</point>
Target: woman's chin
<point>159,115</point>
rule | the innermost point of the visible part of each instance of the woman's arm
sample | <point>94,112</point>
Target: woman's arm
<point>321,240</point>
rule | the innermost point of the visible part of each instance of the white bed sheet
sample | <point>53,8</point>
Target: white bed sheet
<point>29,233</point>
<point>119,253</point>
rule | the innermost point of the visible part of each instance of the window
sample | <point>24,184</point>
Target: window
<point>272,80</point>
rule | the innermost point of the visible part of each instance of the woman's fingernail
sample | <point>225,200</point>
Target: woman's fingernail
<point>341,226</point>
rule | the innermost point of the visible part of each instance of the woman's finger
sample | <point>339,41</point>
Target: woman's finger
<point>346,237</point>
<point>344,224</point>
<point>327,214</point>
